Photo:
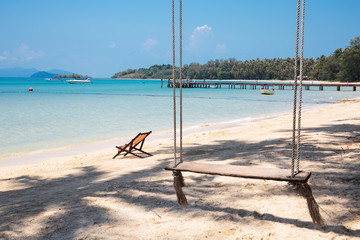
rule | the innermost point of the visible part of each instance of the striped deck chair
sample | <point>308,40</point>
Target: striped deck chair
<point>133,145</point>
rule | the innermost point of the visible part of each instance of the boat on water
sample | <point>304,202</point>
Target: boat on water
<point>267,91</point>
<point>78,81</point>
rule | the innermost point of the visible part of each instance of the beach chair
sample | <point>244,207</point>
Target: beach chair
<point>135,144</point>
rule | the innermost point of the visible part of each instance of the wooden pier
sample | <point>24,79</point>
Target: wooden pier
<point>257,85</point>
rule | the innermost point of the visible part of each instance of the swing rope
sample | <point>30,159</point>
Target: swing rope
<point>180,63</point>
<point>176,162</point>
<point>295,90</point>
<point>296,132</point>
<point>178,178</point>
<point>173,75</point>
<point>300,86</point>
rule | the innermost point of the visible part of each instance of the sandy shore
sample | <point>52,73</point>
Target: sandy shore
<point>92,196</point>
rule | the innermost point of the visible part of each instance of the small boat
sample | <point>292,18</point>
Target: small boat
<point>78,81</point>
<point>267,91</point>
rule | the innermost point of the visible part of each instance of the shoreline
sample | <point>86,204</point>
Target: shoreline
<point>35,142</point>
<point>38,156</point>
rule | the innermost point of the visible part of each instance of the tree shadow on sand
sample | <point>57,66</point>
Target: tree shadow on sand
<point>68,195</point>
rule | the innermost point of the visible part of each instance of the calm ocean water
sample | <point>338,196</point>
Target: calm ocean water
<point>57,114</point>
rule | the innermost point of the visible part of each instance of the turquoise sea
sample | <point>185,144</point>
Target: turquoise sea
<point>58,114</point>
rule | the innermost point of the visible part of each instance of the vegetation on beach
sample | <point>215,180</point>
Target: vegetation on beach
<point>342,65</point>
<point>73,75</point>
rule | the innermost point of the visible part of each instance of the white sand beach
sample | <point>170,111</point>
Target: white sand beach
<point>93,196</point>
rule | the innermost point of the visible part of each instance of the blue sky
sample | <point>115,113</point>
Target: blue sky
<point>102,37</point>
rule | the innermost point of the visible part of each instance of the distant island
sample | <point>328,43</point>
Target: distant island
<point>43,74</point>
<point>73,75</point>
<point>342,65</point>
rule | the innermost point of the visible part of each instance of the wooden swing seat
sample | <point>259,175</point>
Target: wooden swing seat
<point>241,171</point>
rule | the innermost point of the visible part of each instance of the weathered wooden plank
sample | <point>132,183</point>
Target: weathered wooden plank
<point>241,171</point>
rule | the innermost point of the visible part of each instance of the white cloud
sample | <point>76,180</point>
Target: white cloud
<point>221,48</point>
<point>149,44</point>
<point>200,36</point>
<point>25,53</point>
<point>22,53</point>
<point>112,45</point>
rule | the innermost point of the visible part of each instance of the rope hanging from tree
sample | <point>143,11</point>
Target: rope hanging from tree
<point>178,178</point>
<point>173,75</point>
<point>175,83</point>
<point>300,86</point>
<point>296,131</point>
